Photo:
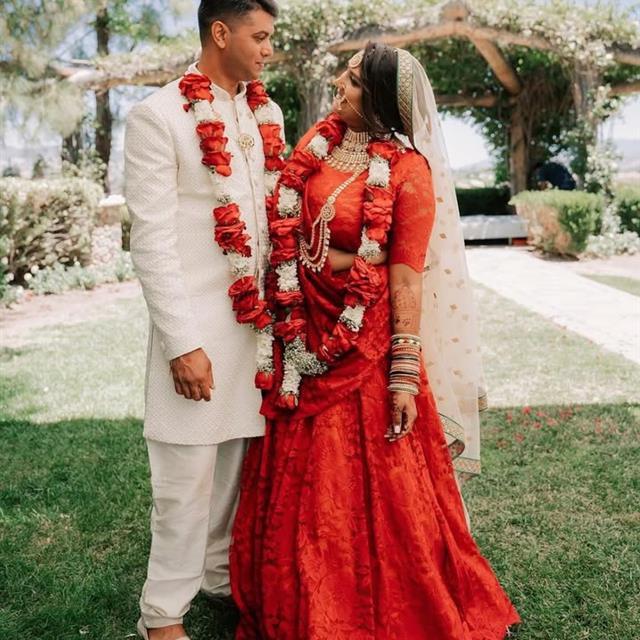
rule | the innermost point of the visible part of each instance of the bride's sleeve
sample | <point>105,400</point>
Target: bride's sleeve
<point>413,214</point>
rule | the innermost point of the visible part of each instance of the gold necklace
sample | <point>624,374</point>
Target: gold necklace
<point>351,154</point>
<point>320,232</point>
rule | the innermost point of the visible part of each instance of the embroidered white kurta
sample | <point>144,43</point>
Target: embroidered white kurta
<point>184,274</point>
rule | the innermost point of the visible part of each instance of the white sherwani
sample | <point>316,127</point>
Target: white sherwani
<point>183,272</point>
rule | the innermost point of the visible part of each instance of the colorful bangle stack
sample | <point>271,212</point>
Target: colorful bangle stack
<point>405,363</point>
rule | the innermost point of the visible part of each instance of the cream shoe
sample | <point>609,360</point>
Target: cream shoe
<point>142,630</point>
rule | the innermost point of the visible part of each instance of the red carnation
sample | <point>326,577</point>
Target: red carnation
<point>256,95</point>
<point>384,149</point>
<point>223,170</point>
<point>331,128</point>
<point>377,215</point>
<point>290,330</point>
<point>271,139</point>
<point>291,180</point>
<point>258,315</point>
<point>284,227</point>
<point>289,298</point>
<point>364,284</point>
<point>287,401</point>
<point>264,380</point>
<point>243,286</point>
<point>338,343</point>
<point>274,164</point>
<point>195,86</point>
<point>283,254</point>
<point>232,238</point>
<point>214,144</point>
<point>304,162</point>
<point>210,129</point>
<point>217,159</point>
<point>228,214</point>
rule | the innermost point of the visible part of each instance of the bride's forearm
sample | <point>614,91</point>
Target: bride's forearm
<point>405,286</point>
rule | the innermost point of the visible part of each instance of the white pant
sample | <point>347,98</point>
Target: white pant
<point>195,494</point>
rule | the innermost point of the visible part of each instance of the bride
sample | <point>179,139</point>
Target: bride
<point>350,522</point>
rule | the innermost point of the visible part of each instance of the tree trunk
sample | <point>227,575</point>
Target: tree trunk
<point>315,102</point>
<point>104,117</point>
<point>518,151</point>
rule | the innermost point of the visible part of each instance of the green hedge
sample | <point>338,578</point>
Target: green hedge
<point>560,221</point>
<point>44,222</point>
<point>484,200</point>
<point>628,201</point>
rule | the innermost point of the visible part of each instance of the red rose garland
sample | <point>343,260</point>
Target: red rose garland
<point>364,285</point>
<point>230,230</point>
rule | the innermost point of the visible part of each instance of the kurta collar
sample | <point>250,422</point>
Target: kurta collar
<point>218,92</point>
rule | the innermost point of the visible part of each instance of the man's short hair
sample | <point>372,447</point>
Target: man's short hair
<point>225,10</point>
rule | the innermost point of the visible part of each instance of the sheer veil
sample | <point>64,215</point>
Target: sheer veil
<point>448,328</point>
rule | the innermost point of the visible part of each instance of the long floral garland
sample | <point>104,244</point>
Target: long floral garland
<point>364,284</point>
<point>230,230</point>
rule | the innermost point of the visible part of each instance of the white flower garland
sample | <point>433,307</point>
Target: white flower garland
<point>240,265</point>
<point>298,361</point>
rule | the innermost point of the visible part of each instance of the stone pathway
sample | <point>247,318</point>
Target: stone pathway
<point>607,316</point>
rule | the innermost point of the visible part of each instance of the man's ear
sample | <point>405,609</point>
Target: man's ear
<point>220,34</point>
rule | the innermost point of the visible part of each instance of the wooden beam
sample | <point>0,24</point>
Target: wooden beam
<point>500,66</point>
<point>626,89</point>
<point>456,100</point>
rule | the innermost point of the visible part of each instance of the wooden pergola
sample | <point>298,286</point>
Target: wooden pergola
<point>455,21</point>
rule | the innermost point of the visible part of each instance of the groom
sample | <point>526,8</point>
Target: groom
<point>201,402</point>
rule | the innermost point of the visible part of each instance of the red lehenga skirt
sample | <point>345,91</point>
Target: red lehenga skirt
<point>341,535</point>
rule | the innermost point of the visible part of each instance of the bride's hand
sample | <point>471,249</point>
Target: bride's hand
<point>403,416</point>
<point>343,260</point>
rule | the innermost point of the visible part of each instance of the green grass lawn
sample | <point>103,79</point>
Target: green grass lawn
<point>555,510</point>
<point>630,285</point>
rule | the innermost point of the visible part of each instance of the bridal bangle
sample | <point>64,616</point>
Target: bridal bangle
<point>405,363</point>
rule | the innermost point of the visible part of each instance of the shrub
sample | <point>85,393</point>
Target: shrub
<point>491,200</point>
<point>60,278</point>
<point>560,221</point>
<point>46,222</point>
<point>628,202</point>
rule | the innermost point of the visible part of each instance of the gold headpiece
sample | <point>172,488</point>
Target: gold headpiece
<point>405,89</point>
<point>356,59</point>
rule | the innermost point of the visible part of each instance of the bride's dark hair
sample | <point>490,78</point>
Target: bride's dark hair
<point>379,76</point>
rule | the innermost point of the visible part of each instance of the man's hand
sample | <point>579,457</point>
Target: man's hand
<point>403,416</point>
<point>193,375</point>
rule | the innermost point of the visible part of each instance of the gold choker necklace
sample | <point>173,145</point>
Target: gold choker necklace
<point>351,154</point>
